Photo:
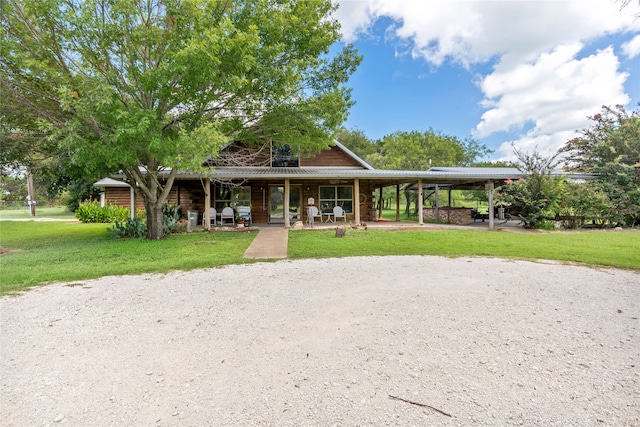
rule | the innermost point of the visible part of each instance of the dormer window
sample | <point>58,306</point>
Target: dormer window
<point>283,157</point>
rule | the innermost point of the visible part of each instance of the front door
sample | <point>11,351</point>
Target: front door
<point>276,204</point>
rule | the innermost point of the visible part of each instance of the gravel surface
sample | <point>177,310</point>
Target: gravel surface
<point>327,342</point>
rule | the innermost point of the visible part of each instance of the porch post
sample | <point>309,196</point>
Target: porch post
<point>206,224</point>
<point>420,202</point>
<point>287,190</point>
<point>380,202</point>
<point>489,188</point>
<point>356,194</point>
<point>436,195</point>
<point>132,196</point>
<point>398,202</point>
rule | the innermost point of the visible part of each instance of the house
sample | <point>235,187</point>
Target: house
<point>276,181</point>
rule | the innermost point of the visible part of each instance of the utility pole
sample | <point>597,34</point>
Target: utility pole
<point>31,198</point>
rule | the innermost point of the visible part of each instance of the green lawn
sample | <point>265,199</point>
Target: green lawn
<point>605,248</point>
<point>58,212</point>
<point>41,252</point>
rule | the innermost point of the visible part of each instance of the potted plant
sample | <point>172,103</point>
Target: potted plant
<point>239,221</point>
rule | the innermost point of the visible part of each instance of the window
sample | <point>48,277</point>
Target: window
<point>224,196</point>
<point>284,157</point>
<point>331,196</point>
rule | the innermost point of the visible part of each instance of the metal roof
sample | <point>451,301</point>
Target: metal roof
<point>108,182</point>
<point>432,176</point>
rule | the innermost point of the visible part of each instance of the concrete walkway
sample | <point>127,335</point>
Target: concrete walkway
<point>271,242</point>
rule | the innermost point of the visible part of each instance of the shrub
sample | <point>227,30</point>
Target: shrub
<point>137,227</point>
<point>582,202</point>
<point>92,212</point>
<point>171,218</point>
<point>531,200</point>
<point>132,227</point>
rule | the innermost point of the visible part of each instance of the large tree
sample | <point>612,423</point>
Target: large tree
<point>421,150</point>
<point>150,87</point>
<point>610,147</point>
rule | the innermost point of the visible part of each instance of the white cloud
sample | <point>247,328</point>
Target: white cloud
<point>469,31</point>
<point>555,94</point>
<point>542,86</point>
<point>631,49</point>
<point>555,91</point>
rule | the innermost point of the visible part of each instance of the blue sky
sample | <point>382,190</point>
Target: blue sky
<point>527,72</point>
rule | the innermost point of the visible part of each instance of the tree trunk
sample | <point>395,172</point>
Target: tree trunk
<point>155,230</point>
<point>153,194</point>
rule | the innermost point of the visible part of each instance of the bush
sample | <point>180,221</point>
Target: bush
<point>93,212</point>
<point>132,227</point>
<point>531,200</point>
<point>137,227</point>
<point>582,202</point>
<point>80,189</point>
<point>171,218</point>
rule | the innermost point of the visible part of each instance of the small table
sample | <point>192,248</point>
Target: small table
<point>329,215</point>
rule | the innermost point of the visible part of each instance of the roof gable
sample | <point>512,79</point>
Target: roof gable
<point>238,154</point>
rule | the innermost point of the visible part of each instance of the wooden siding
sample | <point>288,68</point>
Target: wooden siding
<point>335,156</point>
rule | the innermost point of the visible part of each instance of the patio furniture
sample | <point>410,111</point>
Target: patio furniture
<point>227,214</point>
<point>338,212</point>
<point>212,216</point>
<point>312,214</point>
<point>245,213</point>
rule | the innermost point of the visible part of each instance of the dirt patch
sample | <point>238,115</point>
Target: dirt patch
<point>5,251</point>
<point>405,340</point>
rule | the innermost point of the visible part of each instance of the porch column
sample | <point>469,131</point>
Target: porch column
<point>436,194</point>
<point>206,224</point>
<point>398,202</point>
<point>356,195</point>
<point>132,196</point>
<point>380,203</point>
<point>420,202</point>
<point>287,190</point>
<point>489,188</point>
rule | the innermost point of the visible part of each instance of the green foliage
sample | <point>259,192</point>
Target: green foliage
<point>109,85</point>
<point>356,141</point>
<point>13,189</point>
<point>581,202</point>
<point>532,200</point>
<point>611,149</point>
<point>91,211</point>
<point>137,227</point>
<point>132,227</point>
<point>78,190</point>
<point>170,218</point>
<point>419,151</point>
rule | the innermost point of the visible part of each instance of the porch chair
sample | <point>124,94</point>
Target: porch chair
<point>312,214</point>
<point>338,212</point>
<point>227,213</point>
<point>245,213</point>
<point>212,216</point>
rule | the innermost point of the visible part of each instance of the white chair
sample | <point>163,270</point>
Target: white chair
<point>312,214</point>
<point>212,216</point>
<point>245,213</point>
<point>227,214</point>
<point>338,212</point>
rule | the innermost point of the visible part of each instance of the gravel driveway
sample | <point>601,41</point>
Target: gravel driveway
<point>464,341</point>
